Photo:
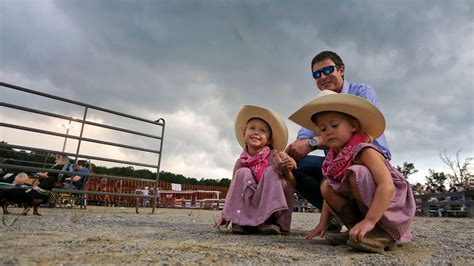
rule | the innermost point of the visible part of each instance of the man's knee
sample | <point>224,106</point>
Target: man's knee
<point>310,163</point>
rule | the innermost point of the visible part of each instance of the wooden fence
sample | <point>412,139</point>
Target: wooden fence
<point>189,195</point>
<point>458,203</point>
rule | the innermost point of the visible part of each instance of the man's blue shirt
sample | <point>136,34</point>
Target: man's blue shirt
<point>79,183</point>
<point>367,92</point>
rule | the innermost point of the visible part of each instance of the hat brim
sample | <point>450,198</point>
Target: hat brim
<point>371,119</point>
<point>276,123</point>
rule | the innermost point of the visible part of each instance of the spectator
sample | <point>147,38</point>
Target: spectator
<point>61,163</point>
<point>78,180</point>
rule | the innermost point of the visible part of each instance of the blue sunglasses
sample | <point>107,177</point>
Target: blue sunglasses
<point>326,70</point>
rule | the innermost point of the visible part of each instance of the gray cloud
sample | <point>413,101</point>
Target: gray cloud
<point>208,58</point>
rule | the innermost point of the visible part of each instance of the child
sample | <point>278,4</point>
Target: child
<point>371,198</point>
<point>259,199</point>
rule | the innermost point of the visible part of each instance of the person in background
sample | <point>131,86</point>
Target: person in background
<point>61,162</point>
<point>78,180</point>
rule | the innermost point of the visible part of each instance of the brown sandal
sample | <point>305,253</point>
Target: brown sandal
<point>269,229</point>
<point>376,241</point>
<point>336,239</point>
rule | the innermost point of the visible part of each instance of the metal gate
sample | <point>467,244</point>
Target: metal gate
<point>25,132</point>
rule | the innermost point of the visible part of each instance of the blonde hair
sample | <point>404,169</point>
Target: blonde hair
<point>61,160</point>
<point>352,120</point>
<point>21,175</point>
<point>20,178</point>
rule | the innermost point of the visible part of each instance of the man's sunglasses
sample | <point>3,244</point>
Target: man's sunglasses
<point>326,70</point>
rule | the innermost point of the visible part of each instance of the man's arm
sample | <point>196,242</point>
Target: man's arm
<point>305,133</point>
<point>300,147</point>
<point>367,92</point>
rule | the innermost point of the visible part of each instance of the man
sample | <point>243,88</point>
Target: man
<point>328,72</point>
<point>79,180</point>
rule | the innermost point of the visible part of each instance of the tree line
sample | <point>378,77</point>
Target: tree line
<point>460,175</point>
<point>46,160</point>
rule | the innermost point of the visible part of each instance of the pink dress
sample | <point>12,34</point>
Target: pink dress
<point>396,220</point>
<point>251,204</point>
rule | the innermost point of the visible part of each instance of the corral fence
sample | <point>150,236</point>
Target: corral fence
<point>31,131</point>
<point>188,196</point>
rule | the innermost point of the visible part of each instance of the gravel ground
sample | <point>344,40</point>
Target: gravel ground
<point>107,235</point>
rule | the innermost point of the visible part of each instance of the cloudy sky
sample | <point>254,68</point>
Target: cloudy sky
<point>195,63</point>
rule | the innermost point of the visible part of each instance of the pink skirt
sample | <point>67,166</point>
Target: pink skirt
<point>249,203</point>
<point>396,220</point>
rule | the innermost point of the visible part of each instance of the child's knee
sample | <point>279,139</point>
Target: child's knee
<point>325,188</point>
<point>352,179</point>
<point>242,173</point>
<point>354,186</point>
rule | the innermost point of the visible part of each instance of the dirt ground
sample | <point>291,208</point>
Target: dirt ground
<point>114,235</point>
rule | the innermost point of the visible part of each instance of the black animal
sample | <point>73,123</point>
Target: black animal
<point>28,196</point>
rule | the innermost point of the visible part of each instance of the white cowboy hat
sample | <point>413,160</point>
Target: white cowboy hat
<point>276,123</point>
<point>371,119</point>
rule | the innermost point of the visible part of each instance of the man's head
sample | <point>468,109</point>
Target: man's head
<point>328,71</point>
<point>81,163</point>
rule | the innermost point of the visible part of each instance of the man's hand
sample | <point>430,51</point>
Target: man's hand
<point>299,149</point>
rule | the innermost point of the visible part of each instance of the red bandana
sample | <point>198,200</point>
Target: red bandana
<point>335,165</point>
<point>257,163</point>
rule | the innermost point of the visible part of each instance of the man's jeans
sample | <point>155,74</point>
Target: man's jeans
<point>308,179</point>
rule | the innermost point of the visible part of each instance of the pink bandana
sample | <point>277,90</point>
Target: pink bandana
<point>335,165</point>
<point>257,163</point>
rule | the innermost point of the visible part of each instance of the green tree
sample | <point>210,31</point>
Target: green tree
<point>407,169</point>
<point>43,159</point>
<point>435,179</point>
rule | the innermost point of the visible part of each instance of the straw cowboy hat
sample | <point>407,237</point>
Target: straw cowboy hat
<point>276,123</point>
<point>371,119</point>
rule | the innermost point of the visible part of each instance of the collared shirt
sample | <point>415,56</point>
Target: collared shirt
<point>80,183</point>
<point>367,92</point>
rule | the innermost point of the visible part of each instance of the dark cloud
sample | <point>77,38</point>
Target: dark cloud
<point>208,58</point>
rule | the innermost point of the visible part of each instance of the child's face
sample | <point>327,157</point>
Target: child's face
<point>335,129</point>
<point>256,135</point>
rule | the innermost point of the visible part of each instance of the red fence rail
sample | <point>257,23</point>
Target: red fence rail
<point>166,196</point>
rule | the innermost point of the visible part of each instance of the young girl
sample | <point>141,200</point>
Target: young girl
<point>371,198</point>
<point>259,199</point>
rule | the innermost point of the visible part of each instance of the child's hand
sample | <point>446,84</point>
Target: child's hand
<point>290,164</point>
<point>320,230</point>
<point>358,232</point>
<point>220,222</point>
<point>277,162</point>
<point>283,162</point>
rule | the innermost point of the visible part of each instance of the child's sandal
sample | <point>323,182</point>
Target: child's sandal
<point>269,229</point>
<point>376,241</point>
<point>336,239</point>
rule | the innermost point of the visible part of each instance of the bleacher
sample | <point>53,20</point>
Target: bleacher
<point>446,204</point>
